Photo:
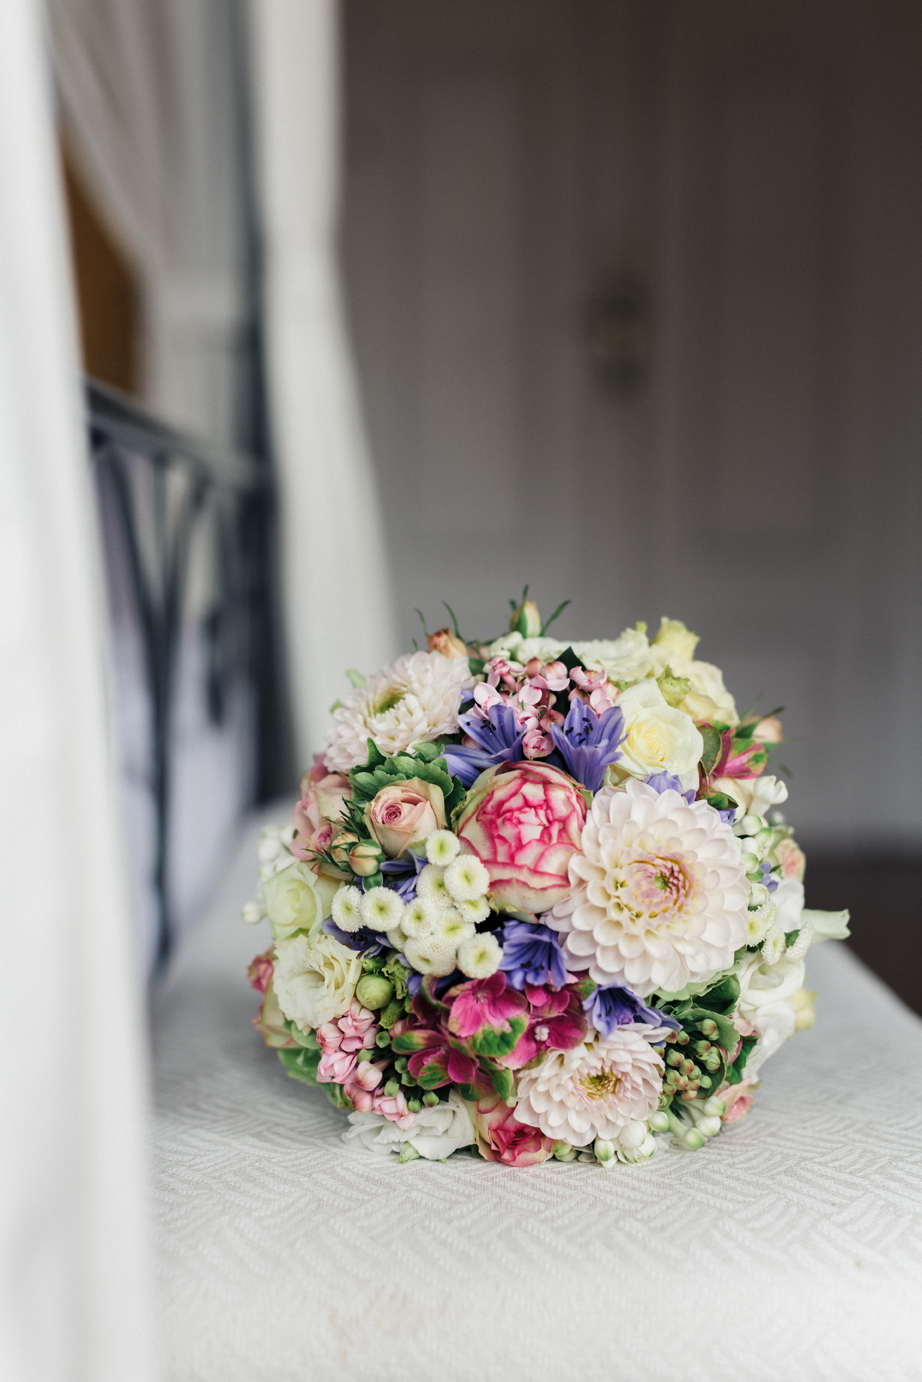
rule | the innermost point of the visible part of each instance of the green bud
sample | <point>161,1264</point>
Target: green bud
<point>683,1038</point>
<point>562,1151</point>
<point>604,1149</point>
<point>712,1060</point>
<point>705,1082</point>
<point>414,1105</point>
<point>407,1153</point>
<point>709,1027</point>
<point>714,1108</point>
<point>374,991</point>
<point>383,1039</point>
<point>366,1054</point>
<point>659,1121</point>
<point>392,1088</point>
<point>401,1063</point>
<point>390,1014</point>
<point>750,825</point>
<point>692,1139</point>
<point>701,1048</point>
<point>431,1099</point>
<point>674,1058</point>
<point>674,688</point>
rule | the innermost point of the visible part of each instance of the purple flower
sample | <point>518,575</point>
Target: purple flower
<point>498,739</point>
<point>668,782</point>
<point>365,940</point>
<point>532,955</point>
<point>770,883</point>
<point>403,874</point>
<point>588,742</point>
<point>609,1008</point>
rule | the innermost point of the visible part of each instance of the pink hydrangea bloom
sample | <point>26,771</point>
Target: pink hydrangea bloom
<point>483,1003</point>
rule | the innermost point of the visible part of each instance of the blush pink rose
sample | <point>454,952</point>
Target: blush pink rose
<point>737,1101</point>
<point>524,821</point>
<point>501,1137</point>
<point>792,859</point>
<point>321,804</point>
<point>261,969</point>
<point>405,814</point>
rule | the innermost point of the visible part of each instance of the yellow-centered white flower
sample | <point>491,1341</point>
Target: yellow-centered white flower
<point>595,1090</point>
<point>659,894</point>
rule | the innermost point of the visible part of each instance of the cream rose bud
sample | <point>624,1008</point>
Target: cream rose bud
<point>676,638</point>
<point>297,900</point>
<point>405,814</point>
<point>447,643</point>
<point>657,738</point>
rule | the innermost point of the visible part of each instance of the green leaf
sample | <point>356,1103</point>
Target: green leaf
<point>454,619</point>
<point>492,1041</point>
<point>548,622</point>
<point>737,1069</point>
<point>301,1064</point>
<point>407,1043</point>
<point>355,677</point>
<point>723,997</point>
<point>712,746</point>
<point>503,1082</point>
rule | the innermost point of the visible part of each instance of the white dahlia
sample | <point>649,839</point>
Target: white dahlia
<point>596,1089</point>
<point>415,699</point>
<point>659,894</point>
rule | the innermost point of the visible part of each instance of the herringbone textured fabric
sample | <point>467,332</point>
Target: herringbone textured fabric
<point>788,1250</point>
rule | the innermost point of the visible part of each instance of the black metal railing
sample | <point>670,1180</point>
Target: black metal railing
<point>163,487</point>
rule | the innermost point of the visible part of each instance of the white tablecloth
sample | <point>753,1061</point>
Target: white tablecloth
<point>789,1248</point>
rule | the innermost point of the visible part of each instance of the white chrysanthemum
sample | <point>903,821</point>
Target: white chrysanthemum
<point>466,878</point>
<point>479,957</point>
<point>397,939</point>
<point>414,699</point>
<point>475,910</point>
<point>382,909</point>
<point>315,981</point>
<point>659,893</point>
<point>431,955</point>
<point>595,1089</point>
<point>452,926</point>
<point>419,918</point>
<point>432,888</point>
<point>441,847</point>
<point>347,908</point>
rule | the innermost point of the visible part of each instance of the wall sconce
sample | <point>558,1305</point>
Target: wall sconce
<point>619,335</point>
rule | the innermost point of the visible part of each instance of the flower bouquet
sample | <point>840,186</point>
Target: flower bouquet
<point>537,901</point>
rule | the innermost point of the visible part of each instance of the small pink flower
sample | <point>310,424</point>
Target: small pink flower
<point>335,1067</point>
<point>501,1137</point>
<point>483,1003</point>
<point>260,971</point>
<point>394,1108</point>
<point>361,1083</point>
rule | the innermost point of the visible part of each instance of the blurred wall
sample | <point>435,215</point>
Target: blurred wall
<point>637,297</point>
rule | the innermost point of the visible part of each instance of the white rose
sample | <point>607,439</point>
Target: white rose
<point>708,699</point>
<point>755,795</point>
<point>296,900</point>
<point>674,638</point>
<point>657,738</point>
<point>623,659</point>
<point>766,992</point>
<point>435,1132</point>
<point>315,981</point>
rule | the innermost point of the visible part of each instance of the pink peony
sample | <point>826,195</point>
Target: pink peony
<point>259,972</point>
<point>501,1137</point>
<point>524,822</point>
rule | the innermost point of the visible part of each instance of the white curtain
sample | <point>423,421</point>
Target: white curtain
<point>336,584</point>
<point>74,1288</point>
<point>148,95</point>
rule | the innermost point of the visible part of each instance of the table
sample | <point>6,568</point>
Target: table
<point>789,1248</point>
